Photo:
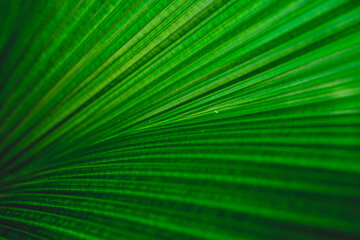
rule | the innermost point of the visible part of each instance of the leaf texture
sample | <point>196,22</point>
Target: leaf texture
<point>173,119</point>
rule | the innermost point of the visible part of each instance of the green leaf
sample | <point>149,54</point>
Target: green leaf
<point>159,119</point>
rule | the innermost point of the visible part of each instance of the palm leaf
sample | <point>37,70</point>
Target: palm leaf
<point>180,119</point>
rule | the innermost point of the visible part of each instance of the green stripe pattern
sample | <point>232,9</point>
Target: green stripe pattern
<point>174,119</point>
